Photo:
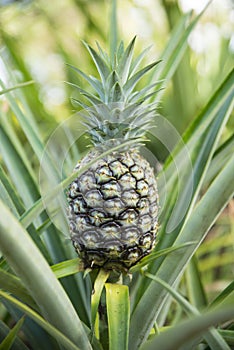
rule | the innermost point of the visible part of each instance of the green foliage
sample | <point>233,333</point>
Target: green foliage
<point>182,295</point>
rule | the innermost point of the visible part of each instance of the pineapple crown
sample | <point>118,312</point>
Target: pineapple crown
<point>116,110</point>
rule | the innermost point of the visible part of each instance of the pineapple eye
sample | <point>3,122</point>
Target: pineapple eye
<point>82,223</point>
<point>137,172</point>
<point>130,198</point>
<point>87,182</point>
<point>72,227</point>
<point>145,222</point>
<point>127,182</point>
<point>93,198</point>
<point>90,239</point>
<point>103,175</point>
<point>142,187</point>
<point>143,206</point>
<point>113,206</point>
<point>127,160</point>
<point>113,249</point>
<point>132,255</point>
<point>130,236</point>
<point>97,217</point>
<point>129,216</point>
<point>118,169</point>
<point>74,190</point>
<point>153,195</point>
<point>111,232</point>
<point>146,242</point>
<point>78,205</point>
<point>154,209</point>
<point>110,190</point>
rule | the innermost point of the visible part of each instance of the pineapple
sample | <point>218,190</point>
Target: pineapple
<point>113,206</point>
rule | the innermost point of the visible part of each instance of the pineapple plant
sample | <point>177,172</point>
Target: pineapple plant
<point>113,206</point>
<point>94,312</point>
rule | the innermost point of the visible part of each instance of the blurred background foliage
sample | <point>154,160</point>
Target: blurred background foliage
<point>38,38</point>
<point>41,36</point>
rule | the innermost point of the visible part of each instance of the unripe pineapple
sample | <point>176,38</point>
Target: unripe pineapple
<point>113,206</point>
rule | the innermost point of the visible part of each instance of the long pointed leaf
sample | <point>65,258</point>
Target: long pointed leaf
<point>179,335</point>
<point>174,264</point>
<point>10,338</point>
<point>213,338</point>
<point>18,344</point>
<point>98,287</point>
<point>13,285</point>
<point>91,80</point>
<point>102,68</point>
<point>175,49</point>
<point>113,31</point>
<point>182,182</point>
<point>125,64</point>
<point>131,83</point>
<point>4,91</point>
<point>45,289</point>
<point>117,301</point>
<point>37,318</point>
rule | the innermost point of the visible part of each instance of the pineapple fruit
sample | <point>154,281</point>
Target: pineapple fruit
<point>113,206</point>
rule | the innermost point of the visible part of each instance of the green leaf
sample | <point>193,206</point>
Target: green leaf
<point>179,335</point>
<point>118,312</point>
<point>27,125</point>
<point>97,291</point>
<point>18,343</point>
<point>62,339</point>
<point>13,199</point>
<point>220,158</point>
<point>27,261</point>
<point>156,254</point>
<point>91,80</point>
<point>92,98</point>
<point>175,49</point>
<point>229,290</point>
<point>196,292</point>
<point>67,268</point>
<point>126,60</point>
<point>23,182</point>
<point>16,164</point>
<point>13,61</point>
<point>213,338</point>
<point>173,265</point>
<point>131,83</point>
<point>172,46</point>
<point>192,158</point>
<point>18,86</point>
<point>32,213</point>
<point>101,66</point>
<point>228,335</point>
<point>7,343</point>
<point>136,62</point>
<point>113,31</point>
<point>13,285</point>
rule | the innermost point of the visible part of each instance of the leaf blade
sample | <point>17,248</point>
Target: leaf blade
<point>172,267</point>
<point>7,343</point>
<point>117,299</point>
<point>45,289</point>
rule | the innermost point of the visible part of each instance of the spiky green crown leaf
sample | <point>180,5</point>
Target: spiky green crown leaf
<point>116,110</point>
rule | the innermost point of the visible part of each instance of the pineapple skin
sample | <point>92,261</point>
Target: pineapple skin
<point>113,210</point>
